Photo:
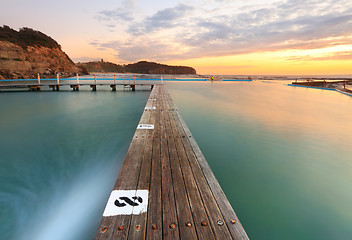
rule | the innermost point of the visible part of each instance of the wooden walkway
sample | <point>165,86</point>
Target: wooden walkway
<point>74,86</point>
<point>166,189</point>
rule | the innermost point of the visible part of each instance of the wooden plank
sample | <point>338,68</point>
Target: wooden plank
<point>117,227</point>
<point>196,204</point>
<point>170,223</point>
<point>213,212</point>
<point>154,223</point>
<point>138,222</point>
<point>124,220</point>
<point>216,219</point>
<point>237,231</point>
<point>183,209</point>
<point>112,224</point>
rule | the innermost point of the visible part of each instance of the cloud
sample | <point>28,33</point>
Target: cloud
<point>116,15</point>
<point>345,55</point>
<point>184,31</point>
<point>142,49</point>
<point>233,67</point>
<point>164,19</point>
<point>123,13</point>
<point>340,55</point>
<point>269,30</point>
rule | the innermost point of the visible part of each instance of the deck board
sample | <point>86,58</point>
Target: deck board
<point>185,200</point>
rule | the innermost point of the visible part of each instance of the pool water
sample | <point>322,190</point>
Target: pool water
<point>60,156</point>
<point>283,155</point>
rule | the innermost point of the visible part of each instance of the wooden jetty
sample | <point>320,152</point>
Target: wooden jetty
<point>166,189</point>
<point>74,86</point>
<point>322,83</point>
<point>37,84</point>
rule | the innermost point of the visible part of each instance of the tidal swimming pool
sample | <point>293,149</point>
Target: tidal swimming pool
<point>281,154</point>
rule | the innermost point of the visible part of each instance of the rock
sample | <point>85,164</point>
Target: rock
<point>26,58</point>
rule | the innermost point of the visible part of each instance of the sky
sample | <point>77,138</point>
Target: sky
<point>261,37</point>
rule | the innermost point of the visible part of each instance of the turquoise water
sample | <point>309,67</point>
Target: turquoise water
<point>60,156</point>
<point>283,155</point>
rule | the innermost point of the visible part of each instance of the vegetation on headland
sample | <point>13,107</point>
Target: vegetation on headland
<point>27,53</point>
<point>27,37</point>
<point>143,67</point>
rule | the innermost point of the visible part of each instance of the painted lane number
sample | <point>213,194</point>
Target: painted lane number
<point>126,202</point>
<point>145,126</point>
<point>132,202</point>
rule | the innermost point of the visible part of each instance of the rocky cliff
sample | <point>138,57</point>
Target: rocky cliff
<point>26,53</point>
<point>139,67</point>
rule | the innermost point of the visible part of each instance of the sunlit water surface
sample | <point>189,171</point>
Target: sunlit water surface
<point>60,154</point>
<point>283,155</point>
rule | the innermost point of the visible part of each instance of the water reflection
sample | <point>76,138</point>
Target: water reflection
<point>281,154</point>
<point>60,156</point>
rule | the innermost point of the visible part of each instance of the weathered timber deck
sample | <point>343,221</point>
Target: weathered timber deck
<point>185,201</point>
<point>74,86</point>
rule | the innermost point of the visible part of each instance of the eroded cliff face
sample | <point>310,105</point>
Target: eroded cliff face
<point>17,62</point>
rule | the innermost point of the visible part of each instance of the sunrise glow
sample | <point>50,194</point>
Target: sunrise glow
<point>214,37</point>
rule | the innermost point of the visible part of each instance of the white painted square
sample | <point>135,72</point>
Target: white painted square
<point>150,108</point>
<point>145,126</point>
<point>126,202</point>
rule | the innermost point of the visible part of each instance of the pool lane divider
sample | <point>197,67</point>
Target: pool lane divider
<point>237,80</point>
<point>294,85</point>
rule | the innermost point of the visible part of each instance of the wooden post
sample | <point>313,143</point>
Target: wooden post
<point>95,79</point>
<point>113,87</point>
<point>134,80</point>
<point>162,79</point>
<point>38,79</point>
<point>114,79</point>
<point>58,79</point>
<point>77,79</point>
<point>344,84</point>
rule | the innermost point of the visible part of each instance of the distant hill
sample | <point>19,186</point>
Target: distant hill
<point>101,66</point>
<point>156,68</point>
<point>27,52</point>
<point>139,67</point>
